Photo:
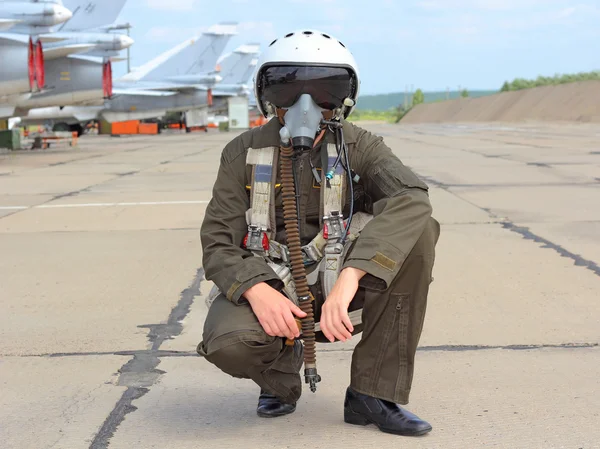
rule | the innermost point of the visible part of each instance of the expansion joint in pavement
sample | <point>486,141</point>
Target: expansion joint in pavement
<point>145,355</point>
<point>527,234</point>
<point>140,373</point>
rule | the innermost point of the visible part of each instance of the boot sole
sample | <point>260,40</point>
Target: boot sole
<point>359,420</point>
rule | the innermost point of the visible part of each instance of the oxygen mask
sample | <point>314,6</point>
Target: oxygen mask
<point>302,123</point>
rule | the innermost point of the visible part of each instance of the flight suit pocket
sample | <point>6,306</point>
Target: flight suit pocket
<point>393,177</point>
<point>404,378</point>
<point>390,335</point>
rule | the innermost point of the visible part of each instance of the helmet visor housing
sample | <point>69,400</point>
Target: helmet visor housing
<point>282,85</point>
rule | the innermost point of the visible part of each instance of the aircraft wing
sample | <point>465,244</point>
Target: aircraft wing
<point>141,92</point>
<point>170,87</point>
<point>14,37</point>
<point>67,50</point>
<point>6,24</point>
<point>51,38</point>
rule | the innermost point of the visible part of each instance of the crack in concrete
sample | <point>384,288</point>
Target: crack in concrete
<point>524,231</point>
<point>116,416</point>
<point>129,173</point>
<point>527,234</point>
<point>467,348</point>
<point>160,332</point>
<point>56,164</point>
<point>125,353</point>
<point>441,348</point>
<point>459,348</point>
<point>139,373</point>
<point>521,184</point>
<point>65,195</point>
<point>447,186</point>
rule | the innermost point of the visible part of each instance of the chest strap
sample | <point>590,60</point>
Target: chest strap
<point>261,215</point>
<point>332,203</point>
<point>326,249</point>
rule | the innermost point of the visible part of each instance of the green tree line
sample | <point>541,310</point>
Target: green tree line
<point>522,83</point>
<point>395,114</point>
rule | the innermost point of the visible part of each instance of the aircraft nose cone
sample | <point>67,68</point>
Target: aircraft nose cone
<point>125,41</point>
<point>60,14</point>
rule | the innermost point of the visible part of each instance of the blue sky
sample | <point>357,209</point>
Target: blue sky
<point>431,44</point>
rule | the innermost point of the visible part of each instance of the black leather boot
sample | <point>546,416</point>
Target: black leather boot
<point>360,409</point>
<point>270,406</point>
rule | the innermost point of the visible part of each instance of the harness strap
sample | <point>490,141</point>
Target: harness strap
<point>261,217</point>
<point>325,249</point>
<point>332,200</point>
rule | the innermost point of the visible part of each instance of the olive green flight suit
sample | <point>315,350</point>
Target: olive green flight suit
<point>396,249</point>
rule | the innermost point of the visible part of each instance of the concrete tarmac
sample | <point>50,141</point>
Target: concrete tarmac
<point>102,298</point>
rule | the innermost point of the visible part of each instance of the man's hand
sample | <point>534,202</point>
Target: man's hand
<point>274,311</point>
<point>335,322</point>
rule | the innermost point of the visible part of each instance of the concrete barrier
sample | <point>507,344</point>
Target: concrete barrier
<point>573,102</point>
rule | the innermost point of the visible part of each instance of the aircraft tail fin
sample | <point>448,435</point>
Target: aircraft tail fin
<point>91,14</point>
<point>237,67</point>
<point>195,56</point>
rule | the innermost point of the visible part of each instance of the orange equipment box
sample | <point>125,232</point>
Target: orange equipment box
<point>148,128</point>
<point>130,127</point>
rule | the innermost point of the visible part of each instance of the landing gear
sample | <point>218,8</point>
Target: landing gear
<point>76,128</point>
<point>65,127</point>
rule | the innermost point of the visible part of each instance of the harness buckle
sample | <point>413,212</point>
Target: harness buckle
<point>256,239</point>
<point>311,254</point>
<point>333,229</point>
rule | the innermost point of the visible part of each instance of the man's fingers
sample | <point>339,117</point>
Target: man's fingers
<point>347,322</point>
<point>296,310</point>
<point>337,332</point>
<point>340,330</point>
<point>283,327</point>
<point>329,336</point>
<point>291,322</point>
<point>325,327</point>
<point>275,327</point>
<point>267,328</point>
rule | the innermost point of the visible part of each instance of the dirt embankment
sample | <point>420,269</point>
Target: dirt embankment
<point>573,102</point>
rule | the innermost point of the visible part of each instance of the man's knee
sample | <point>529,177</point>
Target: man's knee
<point>427,242</point>
<point>416,273</point>
<point>242,353</point>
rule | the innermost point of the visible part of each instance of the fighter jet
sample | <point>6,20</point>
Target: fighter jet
<point>32,16</point>
<point>190,65</point>
<point>78,68</point>
<point>25,20</point>
<point>87,32</point>
<point>236,69</point>
<point>179,79</point>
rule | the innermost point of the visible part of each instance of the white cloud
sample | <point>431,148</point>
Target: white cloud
<point>172,5</point>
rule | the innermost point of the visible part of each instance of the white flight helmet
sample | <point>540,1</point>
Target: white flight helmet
<point>308,49</point>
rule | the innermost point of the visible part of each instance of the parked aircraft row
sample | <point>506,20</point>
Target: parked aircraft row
<point>57,61</point>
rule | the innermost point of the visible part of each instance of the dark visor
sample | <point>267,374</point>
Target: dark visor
<point>328,86</point>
